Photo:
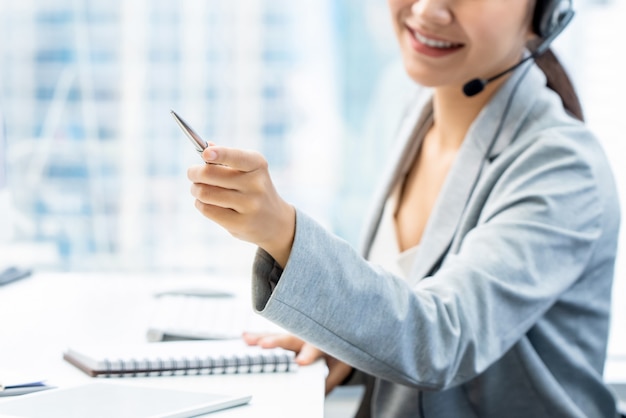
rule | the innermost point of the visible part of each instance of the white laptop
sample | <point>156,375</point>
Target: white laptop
<point>107,400</point>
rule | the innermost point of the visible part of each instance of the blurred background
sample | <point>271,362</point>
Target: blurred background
<point>93,168</point>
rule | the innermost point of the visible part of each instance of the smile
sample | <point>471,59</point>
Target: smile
<point>434,43</point>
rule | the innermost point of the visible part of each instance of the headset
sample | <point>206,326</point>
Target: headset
<point>549,19</point>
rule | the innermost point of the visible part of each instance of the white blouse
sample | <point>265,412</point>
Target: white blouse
<point>385,249</point>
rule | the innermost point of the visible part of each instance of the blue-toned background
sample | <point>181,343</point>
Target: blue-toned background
<point>96,168</point>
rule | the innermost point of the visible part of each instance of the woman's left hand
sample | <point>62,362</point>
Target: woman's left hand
<point>235,190</point>
<point>306,354</point>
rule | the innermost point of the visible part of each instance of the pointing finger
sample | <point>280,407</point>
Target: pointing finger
<point>237,159</point>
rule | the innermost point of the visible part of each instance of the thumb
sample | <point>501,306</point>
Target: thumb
<point>308,354</point>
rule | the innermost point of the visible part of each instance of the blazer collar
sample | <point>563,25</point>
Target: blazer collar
<point>408,141</point>
<point>492,131</point>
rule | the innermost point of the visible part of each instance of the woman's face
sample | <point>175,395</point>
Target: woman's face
<point>450,42</point>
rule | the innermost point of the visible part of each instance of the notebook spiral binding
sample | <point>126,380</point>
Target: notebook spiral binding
<point>271,362</point>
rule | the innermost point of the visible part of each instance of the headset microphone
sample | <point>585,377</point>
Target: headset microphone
<point>475,86</point>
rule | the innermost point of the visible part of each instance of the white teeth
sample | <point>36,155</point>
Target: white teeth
<point>433,43</point>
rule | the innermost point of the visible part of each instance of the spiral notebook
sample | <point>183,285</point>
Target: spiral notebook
<point>179,358</point>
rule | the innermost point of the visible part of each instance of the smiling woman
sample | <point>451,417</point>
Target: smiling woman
<point>444,44</point>
<point>488,261</point>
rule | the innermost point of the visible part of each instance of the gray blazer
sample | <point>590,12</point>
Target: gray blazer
<point>506,311</point>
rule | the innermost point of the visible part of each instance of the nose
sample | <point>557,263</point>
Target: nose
<point>433,11</point>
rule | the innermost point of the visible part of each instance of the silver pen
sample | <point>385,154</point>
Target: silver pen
<point>198,143</point>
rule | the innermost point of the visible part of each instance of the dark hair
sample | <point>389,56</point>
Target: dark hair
<point>559,81</point>
<point>550,17</point>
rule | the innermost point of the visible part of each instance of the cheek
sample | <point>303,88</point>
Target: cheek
<point>397,5</point>
<point>496,39</point>
<point>395,14</point>
<point>482,27</point>
<point>497,23</point>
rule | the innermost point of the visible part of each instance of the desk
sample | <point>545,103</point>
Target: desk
<point>44,314</point>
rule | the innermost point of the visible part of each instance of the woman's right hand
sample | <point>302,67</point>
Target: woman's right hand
<point>306,354</point>
<point>236,191</point>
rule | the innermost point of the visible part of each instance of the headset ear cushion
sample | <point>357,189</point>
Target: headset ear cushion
<point>544,18</point>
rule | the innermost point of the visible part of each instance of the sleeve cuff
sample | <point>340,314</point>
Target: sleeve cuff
<point>265,274</point>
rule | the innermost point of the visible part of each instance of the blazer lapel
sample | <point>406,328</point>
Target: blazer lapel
<point>492,131</point>
<point>450,205</point>
<point>402,157</point>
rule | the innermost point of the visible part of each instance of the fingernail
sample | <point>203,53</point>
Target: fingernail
<point>212,155</point>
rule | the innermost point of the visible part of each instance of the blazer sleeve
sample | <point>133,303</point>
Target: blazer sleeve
<point>537,227</point>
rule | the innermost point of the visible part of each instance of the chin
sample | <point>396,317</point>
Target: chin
<point>422,78</point>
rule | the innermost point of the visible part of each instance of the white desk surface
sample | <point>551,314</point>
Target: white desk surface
<point>42,315</point>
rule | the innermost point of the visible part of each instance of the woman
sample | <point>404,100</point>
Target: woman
<point>483,288</point>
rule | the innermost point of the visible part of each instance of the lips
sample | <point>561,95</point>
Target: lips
<point>434,43</point>
<point>430,45</point>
